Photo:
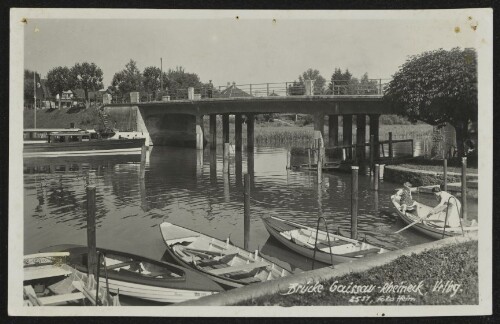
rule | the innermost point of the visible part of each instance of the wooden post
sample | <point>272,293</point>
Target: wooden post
<point>199,133</point>
<point>288,160</point>
<point>250,89</point>
<point>213,131</point>
<point>445,174</point>
<point>354,202</point>
<point>376,177</point>
<point>372,153</point>
<point>143,162</point>
<point>464,188</point>
<point>360,137</point>
<point>268,89</point>
<point>374,130</point>
<point>225,128</point>
<point>309,157</point>
<point>320,164</point>
<point>246,214</point>
<point>412,153</point>
<point>226,158</point>
<point>91,233</point>
<point>238,122</point>
<point>250,131</point>
<point>390,146</point>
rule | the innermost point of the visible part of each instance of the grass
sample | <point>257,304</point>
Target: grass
<point>456,263</point>
<point>437,168</point>
<point>62,118</point>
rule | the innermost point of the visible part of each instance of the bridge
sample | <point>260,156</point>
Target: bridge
<point>178,121</point>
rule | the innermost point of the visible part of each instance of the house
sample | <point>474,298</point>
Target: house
<point>232,91</point>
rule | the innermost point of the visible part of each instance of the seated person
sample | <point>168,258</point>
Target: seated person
<point>406,201</point>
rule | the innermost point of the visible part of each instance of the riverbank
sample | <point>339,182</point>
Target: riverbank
<point>451,259</point>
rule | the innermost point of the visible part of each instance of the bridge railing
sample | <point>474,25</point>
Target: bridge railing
<point>354,87</point>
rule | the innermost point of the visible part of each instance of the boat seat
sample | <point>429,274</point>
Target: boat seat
<point>61,299</point>
<point>322,245</point>
<point>360,253</point>
<point>230,269</point>
<point>119,265</point>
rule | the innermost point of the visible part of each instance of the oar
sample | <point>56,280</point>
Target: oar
<point>415,222</point>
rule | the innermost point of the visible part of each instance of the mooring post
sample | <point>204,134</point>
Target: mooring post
<point>320,162</point>
<point>288,159</point>
<point>372,147</point>
<point>309,157</point>
<point>445,174</point>
<point>464,188</point>
<point>246,207</point>
<point>390,145</point>
<point>376,177</point>
<point>143,162</point>
<point>381,172</point>
<point>354,202</point>
<point>226,158</point>
<point>91,233</point>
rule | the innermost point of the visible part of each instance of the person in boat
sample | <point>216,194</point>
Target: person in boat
<point>446,201</point>
<point>406,201</point>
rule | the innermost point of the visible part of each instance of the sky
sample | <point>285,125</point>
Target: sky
<point>242,50</point>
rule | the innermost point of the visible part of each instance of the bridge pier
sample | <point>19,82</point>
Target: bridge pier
<point>347,134</point>
<point>360,137</point>
<point>319,123</point>
<point>199,133</point>
<point>213,131</point>
<point>374,130</point>
<point>225,128</point>
<point>333,130</point>
<point>238,123</point>
<point>250,131</point>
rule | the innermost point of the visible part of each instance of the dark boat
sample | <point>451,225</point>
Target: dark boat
<point>81,143</point>
<point>301,239</point>
<point>223,262</point>
<point>143,278</point>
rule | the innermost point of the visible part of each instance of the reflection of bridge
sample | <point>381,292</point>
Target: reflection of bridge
<point>180,122</point>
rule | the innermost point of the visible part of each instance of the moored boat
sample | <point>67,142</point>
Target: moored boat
<point>80,143</point>
<point>49,281</point>
<point>144,278</point>
<point>432,227</point>
<point>329,247</point>
<point>223,262</point>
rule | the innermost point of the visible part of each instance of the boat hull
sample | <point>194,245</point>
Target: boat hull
<point>309,253</point>
<point>93,147</point>
<point>436,232</point>
<point>226,282</point>
<point>190,286</point>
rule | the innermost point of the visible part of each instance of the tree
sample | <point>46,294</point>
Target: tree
<point>178,81</point>
<point>437,87</point>
<point>29,86</point>
<point>367,86</point>
<point>59,79</point>
<point>151,80</point>
<point>128,79</point>
<point>87,76</point>
<point>344,82</point>
<point>319,81</point>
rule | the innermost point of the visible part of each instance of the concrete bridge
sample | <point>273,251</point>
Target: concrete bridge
<point>180,122</point>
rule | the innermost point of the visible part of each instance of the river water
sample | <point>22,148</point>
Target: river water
<point>188,188</point>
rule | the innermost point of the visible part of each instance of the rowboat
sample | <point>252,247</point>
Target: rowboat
<point>329,247</point>
<point>228,265</point>
<point>432,227</point>
<point>49,281</point>
<point>144,278</point>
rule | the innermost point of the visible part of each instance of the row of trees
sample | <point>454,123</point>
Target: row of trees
<point>341,83</point>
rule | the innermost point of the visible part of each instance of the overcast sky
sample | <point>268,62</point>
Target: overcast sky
<point>241,50</point>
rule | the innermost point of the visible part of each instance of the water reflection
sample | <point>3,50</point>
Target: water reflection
<point>176,187</point>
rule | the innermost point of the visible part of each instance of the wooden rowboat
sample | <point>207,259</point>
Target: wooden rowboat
<point>433,227</point>
<point>144,278</point>
<point>223,262</point>
<point>49,281</point>
<point>301,239</point>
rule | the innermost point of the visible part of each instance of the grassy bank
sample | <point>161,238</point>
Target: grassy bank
<point>456,265</point>
<point>438,168</point>
<point>62,118</point>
